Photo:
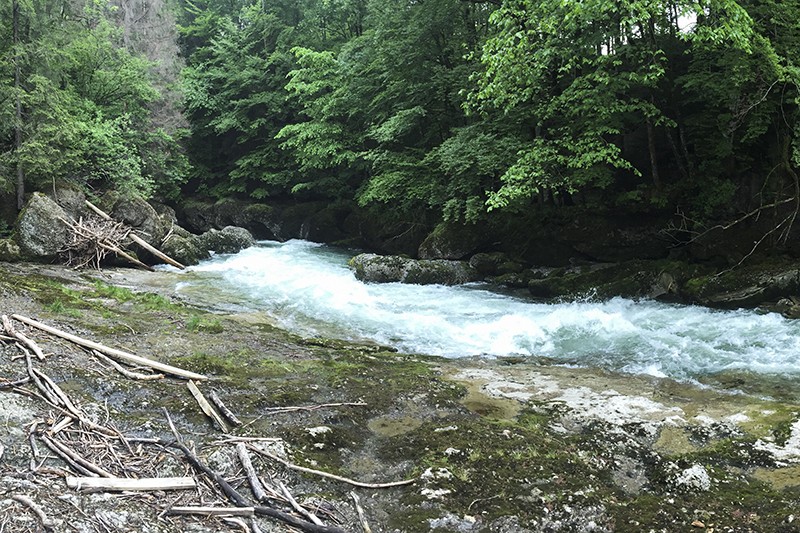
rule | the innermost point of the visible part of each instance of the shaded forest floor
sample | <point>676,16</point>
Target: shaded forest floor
<point>501,445</point>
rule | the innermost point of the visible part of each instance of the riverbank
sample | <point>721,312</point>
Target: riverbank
<point>495,445</point>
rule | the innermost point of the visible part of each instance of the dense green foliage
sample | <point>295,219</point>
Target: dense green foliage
<point>85,102</point>
<point>451,108</point>
<point>456,107</point>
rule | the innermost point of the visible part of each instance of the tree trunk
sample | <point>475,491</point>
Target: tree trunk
<point>18,116</point>
<point>651,146</point>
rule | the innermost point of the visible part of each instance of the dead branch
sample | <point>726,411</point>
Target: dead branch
<point>227,413</point>
<point>9,328</point>
<point>111,351</point>
<point>138,240</point>
<point>124,371</point>
<point>235,497</point>
<point>206,407</point>
<point>47,524</point>
<point>362,517</point>
<point>296,506</point>
<point>250,472</point>
<point>290,409</point>
<point>212,511</point>
<point>355,483</point>
<point>126,484</point>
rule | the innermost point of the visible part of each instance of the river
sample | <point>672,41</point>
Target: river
<point>308,288</point>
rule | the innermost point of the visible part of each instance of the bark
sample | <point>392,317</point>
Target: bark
<point>20,185</point>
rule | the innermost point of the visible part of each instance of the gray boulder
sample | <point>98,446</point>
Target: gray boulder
<point>392,268</point>
<point>143,218</point>
<point>229,240</point>
<point>184,249</point>
<point>40,230</point>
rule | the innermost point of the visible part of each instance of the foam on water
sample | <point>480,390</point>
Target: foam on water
<point>308,288</point>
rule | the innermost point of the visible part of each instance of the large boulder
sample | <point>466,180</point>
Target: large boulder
<point>40,230</point>
<point>71,199</point>
<point>142,217</point>
<point>184,249</point>
<point>229,240</point>
<point>449,240</point>
<point>392,268</point>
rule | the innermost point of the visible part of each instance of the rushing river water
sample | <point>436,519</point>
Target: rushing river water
<point>309,289</point>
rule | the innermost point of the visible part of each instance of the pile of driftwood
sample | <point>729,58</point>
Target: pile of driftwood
<point>95,237</point>
<point>93,455</point>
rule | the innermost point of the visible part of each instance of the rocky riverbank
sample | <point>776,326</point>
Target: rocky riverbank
<point>502,445</point>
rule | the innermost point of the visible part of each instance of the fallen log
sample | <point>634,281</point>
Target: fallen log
<point>129,357</point>
<point>126,484</point>
<point>138,240</point>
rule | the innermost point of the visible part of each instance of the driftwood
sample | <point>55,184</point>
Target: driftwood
<point>236,498</point>
<point>227,413</point>
<point>255,483</point>
<point>91,469</point>
<point>138,240</point>
<point>9,328</point>
<point>207,408</point>
<point>320,473</point>
<point>126,484</point>
<point>212,511</point>
<point>129,357</point>
<point>47,524</point>
<point>297,507</point>
<point>124,371</point>
<point>362,517</point>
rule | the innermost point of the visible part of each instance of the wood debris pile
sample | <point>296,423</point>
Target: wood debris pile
<point>91,240</point>
<point>84,448</point>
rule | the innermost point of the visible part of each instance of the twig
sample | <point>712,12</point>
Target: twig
<point>124,371</point>
<point>47,524</point>
<point>206,407</point>
<point>362,518</point>
<point>21,337</point>
<point>250,472</point>
<point>83,466</point>
<point>296,506</point>
<point>333,476</point>
<point>111,351</point>
<point>235,497</point>
<point>312,407</point>
<point>227,413</point>
<point>212,511</point>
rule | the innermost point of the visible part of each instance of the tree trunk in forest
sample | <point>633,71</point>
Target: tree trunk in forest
<point>651,146</point>
<point>20,186</point>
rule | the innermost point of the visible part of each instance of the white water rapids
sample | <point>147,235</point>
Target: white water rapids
<point>308,288</point>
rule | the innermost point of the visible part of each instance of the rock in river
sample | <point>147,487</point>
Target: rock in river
<point>389,268</point>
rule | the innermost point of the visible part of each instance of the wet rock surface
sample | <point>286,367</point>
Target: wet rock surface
<point>508,445</point>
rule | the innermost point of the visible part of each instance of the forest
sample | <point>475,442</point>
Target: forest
<point>447,109</point>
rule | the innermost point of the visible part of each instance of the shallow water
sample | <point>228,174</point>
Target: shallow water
<point>308,288</point>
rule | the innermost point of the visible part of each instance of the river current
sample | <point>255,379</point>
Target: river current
<point>308,288</point>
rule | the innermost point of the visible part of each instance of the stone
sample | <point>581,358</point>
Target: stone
<point>142,217</point>
<point>391,268</point>
<point>229,240</point>
<point>184,249</point>
<point>40,230</point>
<point>9,251</point>
<point>449,240</point>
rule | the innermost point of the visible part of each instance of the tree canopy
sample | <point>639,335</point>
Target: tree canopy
<point>452,108</point>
